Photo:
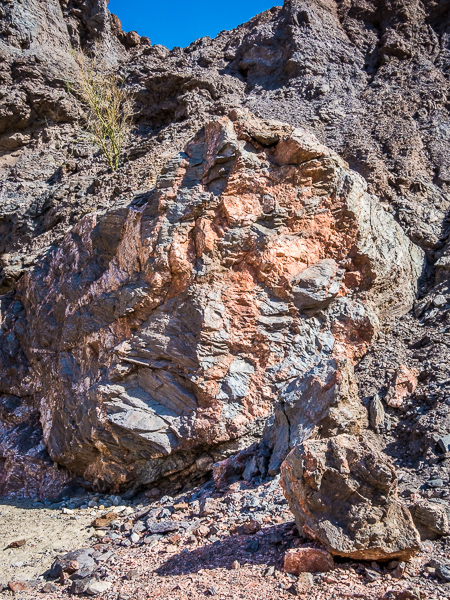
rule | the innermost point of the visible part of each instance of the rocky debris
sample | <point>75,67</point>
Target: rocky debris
<point>215,337</point>
<point>431,518</point>
<point>404,384</point>
<point>308,560</point>
<point>343,492</point>
<point>205,558</point>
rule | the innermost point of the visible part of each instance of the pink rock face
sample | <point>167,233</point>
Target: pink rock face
<point>164,333</point>
<point>404,384</point>
<point>308,560</point>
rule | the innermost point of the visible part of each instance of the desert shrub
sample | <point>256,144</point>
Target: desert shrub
<point>108,106</point>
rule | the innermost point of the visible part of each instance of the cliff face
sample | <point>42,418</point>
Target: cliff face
<point>222,286</point>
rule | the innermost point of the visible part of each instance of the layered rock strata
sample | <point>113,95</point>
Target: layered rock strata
<point>165,333</point>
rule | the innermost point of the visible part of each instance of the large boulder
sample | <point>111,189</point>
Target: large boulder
<point>163,334</point>
<point>343,493</point>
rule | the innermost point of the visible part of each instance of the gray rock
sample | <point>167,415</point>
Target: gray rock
<point>376,413</point>
<point>79,564</point>
<point>444,443</point>
<point>166,526</point>
<point>443,572</point>
<point>439,301</point>
<point>435,483</point>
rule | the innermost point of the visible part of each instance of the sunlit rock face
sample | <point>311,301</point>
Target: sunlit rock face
<point>163,334</point>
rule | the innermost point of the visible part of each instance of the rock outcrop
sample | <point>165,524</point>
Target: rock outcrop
<point>343,493</point>
<point>161,334</point>
<point>370,81</point>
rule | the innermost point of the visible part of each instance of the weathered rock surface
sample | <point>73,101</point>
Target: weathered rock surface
<point>307,560</point>
<point>343,493</point>
<point>431,518</point>
<point>168,328</point>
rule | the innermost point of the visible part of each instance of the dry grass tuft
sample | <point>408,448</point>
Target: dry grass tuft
<point>109,106</point>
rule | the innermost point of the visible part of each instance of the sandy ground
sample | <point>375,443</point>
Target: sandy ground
<point>46,531</point>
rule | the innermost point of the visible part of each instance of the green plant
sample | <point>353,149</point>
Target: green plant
<point>109,106</point>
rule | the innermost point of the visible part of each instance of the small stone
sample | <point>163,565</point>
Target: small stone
<point>431,516</point>
<point>399,570</point>
<point>97,587</point>
<point>132,574</point>
<point>134,537</point>
<point>269,571</point>
<point>252,545</point>
<point>208,507</point>
<point>235,565</point>
<point>151,540</point>
<point>404,384</point>
<point>67,511</point>
<point>251,527</point>
<point>444,443</point>
<point>17,544</point>
<point>180,506</point>
<point>50,588</point>
<point>371,574</point>
<point>17,586</point>
<point>435,483</point>
<point>166,526</point>
<point>139,527</point>
<point>439,301</point>
<point>303,584</point>
<point>376,413</point>
<point>202,531</point>
<point>443,572</point>
<point>211,591</point>
<point>307,560</point>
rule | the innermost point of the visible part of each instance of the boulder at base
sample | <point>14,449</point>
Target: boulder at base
<point>343,493</point>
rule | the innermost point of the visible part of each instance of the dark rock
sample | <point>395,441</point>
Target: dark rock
<point>78,564</point>
<point>166,526</point>
<point>443,572</point>
<point>343,493</point>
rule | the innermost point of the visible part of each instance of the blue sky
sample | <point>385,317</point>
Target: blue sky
<point>178,22</point>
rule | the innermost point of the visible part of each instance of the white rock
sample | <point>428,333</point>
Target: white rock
<point>98,587</point>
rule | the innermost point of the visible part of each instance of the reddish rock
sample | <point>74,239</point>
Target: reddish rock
<point>17,544</point>
<point>171,328</point>
<point>307,560</point>
<point>404,384</point>
<point>17,586</point>
<point>104,521</point>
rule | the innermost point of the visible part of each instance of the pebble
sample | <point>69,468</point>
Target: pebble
<point>97,587</point>
<point>439,301</point>
<point>134,537</point>
<point>443,572</point>
<point>435,483</point>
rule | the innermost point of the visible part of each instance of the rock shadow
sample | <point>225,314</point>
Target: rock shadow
<point>263,548</point>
